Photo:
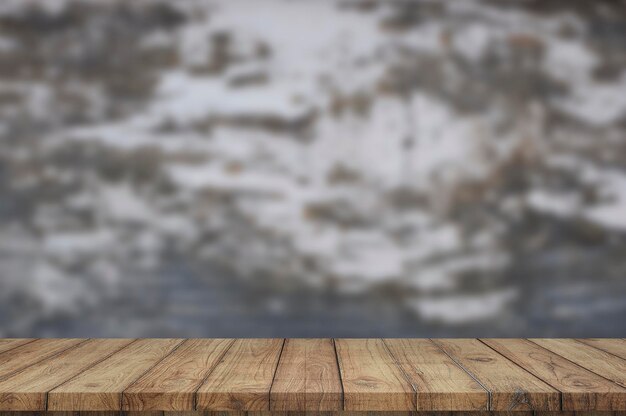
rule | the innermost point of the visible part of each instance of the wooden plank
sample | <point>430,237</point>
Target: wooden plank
<point>600,362</point>
<point>7,344</point>
<point>395,413</point>
<point>171,384</point>
<point>40,414</point>
<point>109,413</point>
<point>510,387</point>
<point>100,388</point>
<point>371,378</point>
<point>222,413</point>
<point>27,390</point>
<point>580,388</point>
<point>307,378</point>
<point>582,413</point>
<point>31,353</point>
<point>440,383</point>
<point>242,380</point>
<point>614,346</point>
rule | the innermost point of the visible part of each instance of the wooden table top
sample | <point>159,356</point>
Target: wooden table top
<point>312,374</point>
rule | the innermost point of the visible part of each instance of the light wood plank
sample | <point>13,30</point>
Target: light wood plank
<point>27,390</point>
<point>100,388</point>
<point>600,362</point>
<point>440,383</point>
<point>510,387</point>
<point>614,346</point>
<point>371,378</point>
<point>31,353</point>
<point>307,378</point>
<point>580,388</point>
<point>7,344</point>
<point>242,380</point>
<point>171,385</point>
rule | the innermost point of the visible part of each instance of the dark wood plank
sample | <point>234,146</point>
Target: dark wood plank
<point>615,346</point>
<point>31,353</point>
<point>600,362</point>
<point>100,387</point>
<point>581,389</point>
<point>243,378</point>
<point>440,383</point>
<point>218,413</point>
<point>581,413</point>
<point>510,387</point>
<point>27,390</point>
<point>307,378</point>
<point>372,380</point>
<point>40,414</point>
<point>171,385</point>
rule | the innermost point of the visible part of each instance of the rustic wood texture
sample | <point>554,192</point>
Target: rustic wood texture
<point>28,389</point>
<point>351,377</point>
<point>612,346</point>
<point>510,387</point>
<point>100,387</point>
<point>440,383</point>
<point>581,389</point>
<point>11,343</point>
<point>243,378</point>
<point>171,385</point>
<point>28,354</point>
<point>307,378</point>
<point>596,360</point>
<point>372,379</point>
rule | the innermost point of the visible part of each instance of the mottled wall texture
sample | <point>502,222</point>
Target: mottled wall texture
<point>312,168</point>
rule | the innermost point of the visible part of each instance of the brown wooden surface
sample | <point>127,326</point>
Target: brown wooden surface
<point>324,376</point>
<point>242,380</point>
<point>28,354</point>
<point>440,383</point>
<point>510,387</point>
<point>9,344</point>
<point>101,386</point>
<point>172,384</point>
<point>599,361</point>
<point>27,390</point>
<point>613,346</point>
<point>580,388</point>
<point>372,379</point>
<point>307,378</point>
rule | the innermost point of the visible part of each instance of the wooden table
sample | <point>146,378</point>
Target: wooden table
<point>312,375</point>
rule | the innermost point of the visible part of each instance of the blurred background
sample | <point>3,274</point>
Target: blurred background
<point>312,168</point>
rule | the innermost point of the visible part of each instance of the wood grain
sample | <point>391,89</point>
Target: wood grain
<point>580,388</point>
<point>100,388</point>
<point>307,378</point>
<point>28,354</point>
<point>591,358</point>
<point>614,346</point>
<point>510,387</point>
<point>171,384</point>
<point>8,344</point>
<point>321,376</point>
<point>440,383</point>
<point>243,378</point>
<point>27,390</point>
<point>372,380</point>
